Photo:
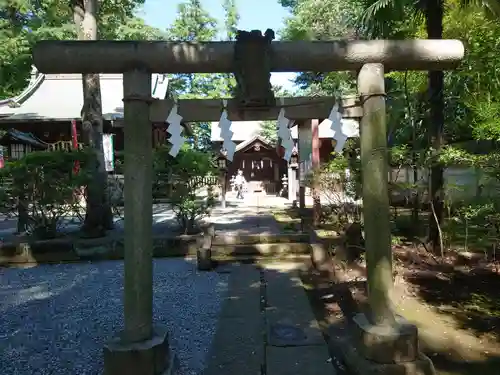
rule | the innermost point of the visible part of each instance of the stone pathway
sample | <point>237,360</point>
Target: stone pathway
<point>257,200</point>
<point>266,326</point>
<point>244,221</point>
<point>249,216</point>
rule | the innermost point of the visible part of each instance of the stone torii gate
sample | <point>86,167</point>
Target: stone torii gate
<point>383,340</point>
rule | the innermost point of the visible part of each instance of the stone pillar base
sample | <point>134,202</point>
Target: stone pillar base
<point>358,365</point>
<point>319,254</point>
<point>386,344</point>
<point>204,251</point>
<point>377,350</point>
<point>151,357</point>
<point>204,259</point>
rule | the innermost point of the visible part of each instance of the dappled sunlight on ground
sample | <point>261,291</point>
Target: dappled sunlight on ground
<point>251,215</point>
<point>453,341</point>
<point>57,318</point>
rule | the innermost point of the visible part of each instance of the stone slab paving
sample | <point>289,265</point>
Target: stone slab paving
<point>238,346</point>
<point>297,360</point>
<point>266,326</point>
<point>249,216</point>
<point>295,344</point>
<point>244,220</point>
<point>288,310</point>
<point>258,200</point>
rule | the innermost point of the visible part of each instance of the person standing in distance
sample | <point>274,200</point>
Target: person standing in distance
<point>239,182</point>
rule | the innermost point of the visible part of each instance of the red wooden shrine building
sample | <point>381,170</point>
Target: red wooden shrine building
<point>261,162</point>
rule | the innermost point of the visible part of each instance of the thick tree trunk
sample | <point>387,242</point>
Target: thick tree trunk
<point>98,217</point>
<point>434,23</point>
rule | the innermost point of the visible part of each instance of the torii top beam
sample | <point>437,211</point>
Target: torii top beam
<point>218,57</point>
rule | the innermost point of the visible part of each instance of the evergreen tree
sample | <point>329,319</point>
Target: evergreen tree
<point>194,23</point>
<point>231,18</point>
<point>269,132</point>
<point>24,22</point>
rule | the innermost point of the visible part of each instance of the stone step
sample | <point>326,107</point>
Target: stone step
<point>262,249</point>
<point>223,260</point>
<point>250,239</point>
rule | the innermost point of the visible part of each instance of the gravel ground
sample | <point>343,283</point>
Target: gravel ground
<point>55,319</point>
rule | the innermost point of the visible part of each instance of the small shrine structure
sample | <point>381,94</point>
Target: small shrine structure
<point>262,162</point>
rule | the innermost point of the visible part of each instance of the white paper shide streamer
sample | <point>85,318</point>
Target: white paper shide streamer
<point>342,129</point>
<point>226,133</point>
<point>285,133</point>
<point>175,129</point>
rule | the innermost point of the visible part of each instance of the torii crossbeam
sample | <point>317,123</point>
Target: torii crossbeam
<point>218,57</point>
<point>143,349</point>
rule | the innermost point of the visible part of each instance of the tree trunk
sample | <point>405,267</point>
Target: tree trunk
<point>98,217</point>
<point>434,24</point>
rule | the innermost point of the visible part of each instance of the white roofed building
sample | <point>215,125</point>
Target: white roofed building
<point>50,102</point>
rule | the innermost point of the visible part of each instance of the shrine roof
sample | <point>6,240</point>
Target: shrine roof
<point>246,130</point>
<point>59,97</point>
<point>255,139</point>
<point>16,136</point>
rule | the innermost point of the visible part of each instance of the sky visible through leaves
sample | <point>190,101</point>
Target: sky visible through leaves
<point>254,14</point>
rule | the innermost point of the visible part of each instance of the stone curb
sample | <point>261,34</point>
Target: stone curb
<point>67,250</point>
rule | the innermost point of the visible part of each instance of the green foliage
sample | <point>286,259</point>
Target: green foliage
<point>188,162</point>
<point>43,185</point>
<point>24,22</point>
<point>338,189</point>
<point>453,156</point>
<point>471,92</point>
<point>193,24</point>
<point>473,89</point>
<point>269,131</point>
<point>185,176</point>
<point>231,18</point>
<point>323,20</point>
<point>471,109</point>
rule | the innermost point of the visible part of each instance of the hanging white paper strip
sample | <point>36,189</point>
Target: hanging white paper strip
<point>288,154</point>
<point>230,148</point>
<point>348,129</point>
<point>287,144</point>
<point>226,133</point>
<point>334,119</point>
<point>109,156</point>
<point>341,129</point>
<point>177,142</point>
<point>174,119</point>
<point>284,132</point>
<point>175,130</point>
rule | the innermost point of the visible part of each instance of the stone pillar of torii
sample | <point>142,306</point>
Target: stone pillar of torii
<point>384,339</point>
